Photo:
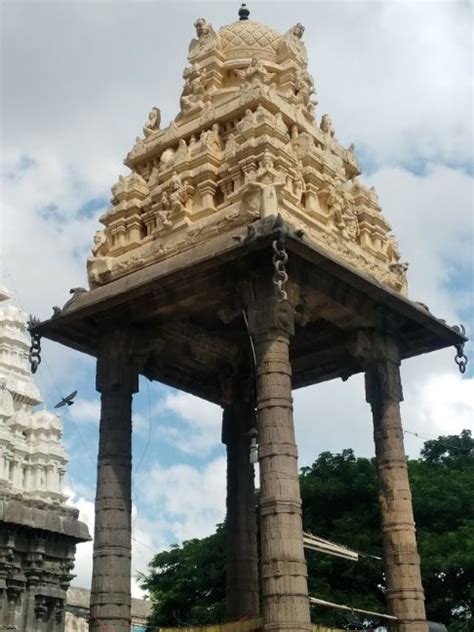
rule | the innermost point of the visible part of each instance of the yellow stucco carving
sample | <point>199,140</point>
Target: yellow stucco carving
<point>245,144</point>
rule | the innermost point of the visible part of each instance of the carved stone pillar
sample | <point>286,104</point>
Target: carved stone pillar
<point>405,597</point>
<point>242,587</point>
<point>283,566</point>
<point>117,379</point>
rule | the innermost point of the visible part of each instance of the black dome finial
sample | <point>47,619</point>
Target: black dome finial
<point>244,12</point>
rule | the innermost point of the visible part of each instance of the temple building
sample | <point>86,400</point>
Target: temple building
<point>240,259</point>
<point>38,530</point>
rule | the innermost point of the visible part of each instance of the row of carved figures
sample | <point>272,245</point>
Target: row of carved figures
<point>260,187</point>
<point>211,140</point>
<point>197,96</point>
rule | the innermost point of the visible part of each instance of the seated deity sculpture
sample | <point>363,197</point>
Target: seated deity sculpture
<point>99,263</point>
<point>194,90</point>
<point>153,123</point>
<point>254,74</point>
<point>211,139</point>
<point>326,125</point>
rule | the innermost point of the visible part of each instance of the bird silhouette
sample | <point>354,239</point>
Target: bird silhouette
<point>67,401</point>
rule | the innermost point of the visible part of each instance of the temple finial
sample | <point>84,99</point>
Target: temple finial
<point>244,12</point>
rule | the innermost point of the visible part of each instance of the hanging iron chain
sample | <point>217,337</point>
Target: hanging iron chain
<point>460,358</point>
<point>280,277</point>
<point>34,355</point>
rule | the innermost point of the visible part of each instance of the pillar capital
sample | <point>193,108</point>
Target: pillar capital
<point>370,346</point>
<point>122,355</point>
<point>378,353</point>
<point>267,313</point>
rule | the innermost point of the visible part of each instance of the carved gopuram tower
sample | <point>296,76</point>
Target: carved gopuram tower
<point>38,530</point>
<point>240,259</point>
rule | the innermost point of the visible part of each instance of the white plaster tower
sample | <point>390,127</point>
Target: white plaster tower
<point>38,531</point>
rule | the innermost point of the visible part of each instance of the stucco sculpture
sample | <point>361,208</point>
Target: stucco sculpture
<point>247,100</point>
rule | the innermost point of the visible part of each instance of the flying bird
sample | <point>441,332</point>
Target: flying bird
<point>67,401</point>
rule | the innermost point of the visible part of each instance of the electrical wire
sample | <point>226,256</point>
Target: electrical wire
<point>142,457</point>
<point>422,436</point>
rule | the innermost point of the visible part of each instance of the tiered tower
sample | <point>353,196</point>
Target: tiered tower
<point>245,144</point>
<point>38,532</point>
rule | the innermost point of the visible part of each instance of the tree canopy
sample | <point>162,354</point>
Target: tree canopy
<point>339,493</point>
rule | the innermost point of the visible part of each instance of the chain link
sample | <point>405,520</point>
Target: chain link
<point>461,358</point>
<point>280,277</point>
<point>34,355</point>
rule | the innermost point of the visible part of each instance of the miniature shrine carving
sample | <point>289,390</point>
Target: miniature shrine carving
<point>245,144</point>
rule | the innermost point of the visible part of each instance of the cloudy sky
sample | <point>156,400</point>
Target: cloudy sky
<point>78,79</point>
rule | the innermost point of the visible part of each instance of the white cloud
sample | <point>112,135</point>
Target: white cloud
<point>446,404</point>
<point>431,214</point>
<point>86,411</point>
<point>334,415</point>
<point>191,499</point>
<point>196,426</point>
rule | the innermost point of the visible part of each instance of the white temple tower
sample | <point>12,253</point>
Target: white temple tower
<point>32,458</point>
<point>38,532</point>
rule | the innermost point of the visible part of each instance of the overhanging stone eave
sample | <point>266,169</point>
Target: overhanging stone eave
<point>421,332</point>
<point>42,517</point>
<point>442,334</point>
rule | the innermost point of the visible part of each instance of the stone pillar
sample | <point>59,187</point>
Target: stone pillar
<point>242,587</point>
<point>405,597</point>
<point>283,566</point>
<point>117,380</point>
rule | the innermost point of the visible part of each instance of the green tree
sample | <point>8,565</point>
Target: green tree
<point>339,494</point>
<point>187,583</point>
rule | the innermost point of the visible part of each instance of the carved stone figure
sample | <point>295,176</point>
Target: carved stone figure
<point>194,90</point>
<point>99,247</point>
<point>393,250</point>
<point>400,272</point>
<point>247,122</point>
<point>350,229</point>
<point>335,205</point>
<point>153,123</point>
<point>294,135</point>
<point>164,214</point>
<point>304,86</point>
<point>207,38</point>
<point>326,125</point>
<point>231,146</point>
<point>303,144</point>
<point>182,151</point>
<point>167,157</point>
<point>211,139</point>
<point>299,186</point>
<point>263,188</point>
<point>279,123</point>
<point>255,74</point>
<point>261,113</point>
<point>154,177</point>
<point>192,144</point>
<point>291,44</point>
<point>179,195</point>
